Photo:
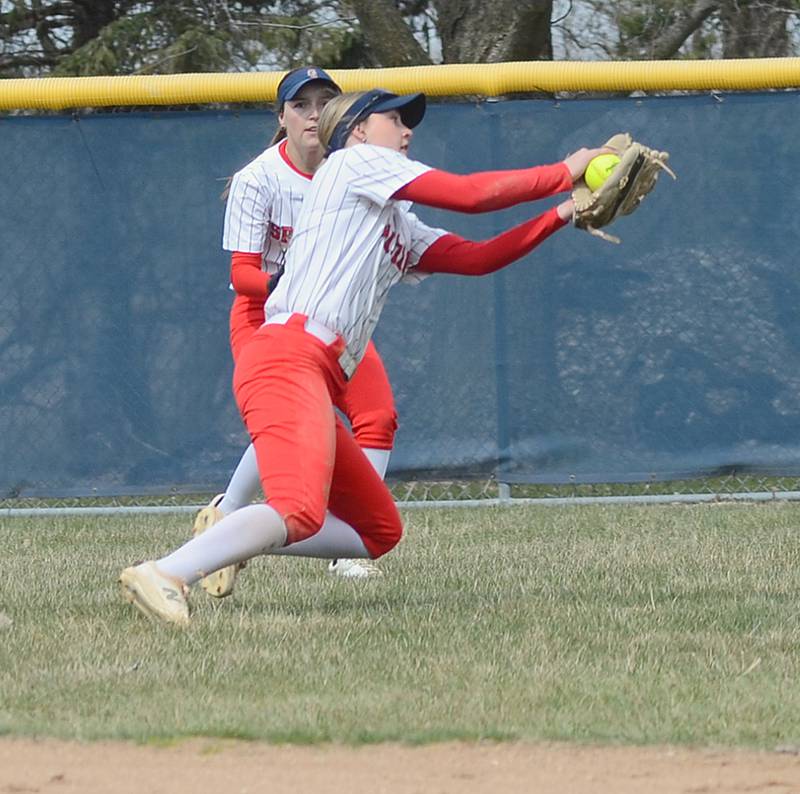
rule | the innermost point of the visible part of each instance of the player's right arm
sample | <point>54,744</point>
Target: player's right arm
<point>246,225</point>
<point>486,191</point>
<point>247,275</point>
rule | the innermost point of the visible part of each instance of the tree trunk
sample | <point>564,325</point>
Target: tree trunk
<point>476,31</point>
<point>90,17</point>
<point>387,38</point>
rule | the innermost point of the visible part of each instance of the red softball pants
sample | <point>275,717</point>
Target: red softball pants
<point>286,383</point>
<point>367,401</point>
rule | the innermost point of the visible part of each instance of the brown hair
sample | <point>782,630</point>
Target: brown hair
<point>279,135</point>
<point>333,113</point>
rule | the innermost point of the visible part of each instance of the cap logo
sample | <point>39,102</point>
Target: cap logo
<point>312,74</point>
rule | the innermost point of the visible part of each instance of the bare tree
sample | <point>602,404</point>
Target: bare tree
<point>753,29</point>
<point>65,37</point>
<point>125,36</point>
<point>664,29</point>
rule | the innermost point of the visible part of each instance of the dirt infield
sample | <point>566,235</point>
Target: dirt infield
<point>30,766</point>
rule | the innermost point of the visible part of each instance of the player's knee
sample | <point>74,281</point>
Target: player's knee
<point>385,535</point>
<point>376,428</point>
<point>301,523</point>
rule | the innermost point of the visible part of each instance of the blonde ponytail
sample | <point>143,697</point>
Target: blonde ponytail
<point>333,113</point>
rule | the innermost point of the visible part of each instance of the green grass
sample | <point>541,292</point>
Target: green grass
<point>621,624</point>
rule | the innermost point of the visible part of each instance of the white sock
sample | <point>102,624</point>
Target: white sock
<point>379,458</point>
<point>250,531</point>
<point>335,539</point>
<point>244,484</point>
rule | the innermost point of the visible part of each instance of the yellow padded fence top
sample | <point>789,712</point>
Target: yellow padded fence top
<point>56,93</point>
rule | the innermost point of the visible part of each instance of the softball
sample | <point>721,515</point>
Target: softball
<point>599,170</point>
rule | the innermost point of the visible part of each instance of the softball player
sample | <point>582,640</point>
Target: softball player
<point>263,203</point>
<point>354,238</point>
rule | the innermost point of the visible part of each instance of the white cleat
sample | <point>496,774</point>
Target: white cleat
<point>157,595</point>
<point>220,583</point>
<point>354,569</point>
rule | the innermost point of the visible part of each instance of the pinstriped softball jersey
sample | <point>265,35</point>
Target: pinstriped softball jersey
<point>352,242</point>
<point>263,204</point>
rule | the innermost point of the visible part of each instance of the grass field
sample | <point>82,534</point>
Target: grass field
<point>623,624</point>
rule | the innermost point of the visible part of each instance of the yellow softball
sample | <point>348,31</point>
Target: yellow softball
<point>599,170</point>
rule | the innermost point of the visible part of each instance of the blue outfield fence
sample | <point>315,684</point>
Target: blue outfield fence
<point>674,354</point>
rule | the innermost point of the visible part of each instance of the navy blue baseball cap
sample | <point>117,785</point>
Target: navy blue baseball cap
<point>291,85</point>
<point>410,106</point>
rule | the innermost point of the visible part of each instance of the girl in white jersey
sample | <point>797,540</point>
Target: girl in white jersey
<point>354,238</point>
<point>263,203</point>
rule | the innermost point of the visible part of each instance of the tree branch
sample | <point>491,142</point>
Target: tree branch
<point>10,62</point>
<point>674,37</point>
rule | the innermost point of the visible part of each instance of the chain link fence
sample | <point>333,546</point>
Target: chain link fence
<point>667,366</point>
<point>411,494</point>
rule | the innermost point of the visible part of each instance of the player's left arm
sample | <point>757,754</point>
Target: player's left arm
<point>454,254</point>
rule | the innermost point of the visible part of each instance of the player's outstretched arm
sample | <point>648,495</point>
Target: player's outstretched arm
<point>486,191</point>
<point>454,254</point>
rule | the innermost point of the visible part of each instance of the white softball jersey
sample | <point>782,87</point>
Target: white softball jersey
<point>264,201</point>
<point>352,242</point>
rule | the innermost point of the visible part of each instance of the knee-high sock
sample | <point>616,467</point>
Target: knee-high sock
<point>335,539</point>
<point>253,530</point>
<point>244,483</point>
<point>379,458</point>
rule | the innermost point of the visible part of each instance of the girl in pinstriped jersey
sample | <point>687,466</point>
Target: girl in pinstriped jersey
<point>263,202</point>
<point>354,239</point>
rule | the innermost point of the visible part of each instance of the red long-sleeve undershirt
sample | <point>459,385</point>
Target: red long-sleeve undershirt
<point>247,277</point>
<point>486,191</point>
<point>483,192</point>
<point>453,254</point>
<point>471,193</point>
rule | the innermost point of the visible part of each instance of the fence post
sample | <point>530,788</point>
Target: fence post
<point>503,492</point>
